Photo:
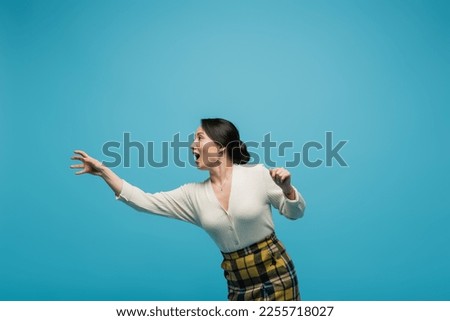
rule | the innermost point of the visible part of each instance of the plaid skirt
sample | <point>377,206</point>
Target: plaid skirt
<point>261,272</point>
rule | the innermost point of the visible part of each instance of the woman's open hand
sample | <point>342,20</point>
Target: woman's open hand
<point>89,165</point>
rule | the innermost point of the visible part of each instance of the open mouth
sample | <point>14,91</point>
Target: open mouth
<point>196,155</point>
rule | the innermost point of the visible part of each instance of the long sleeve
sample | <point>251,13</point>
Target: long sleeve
<point>292,209</point>
<point>175,203</point>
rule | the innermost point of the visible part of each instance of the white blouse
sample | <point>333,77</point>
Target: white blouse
<point>249,216</point>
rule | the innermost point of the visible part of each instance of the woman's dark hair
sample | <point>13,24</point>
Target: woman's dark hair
<point>225,134</point>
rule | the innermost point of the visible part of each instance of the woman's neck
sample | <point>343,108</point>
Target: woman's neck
<point>219,174</point>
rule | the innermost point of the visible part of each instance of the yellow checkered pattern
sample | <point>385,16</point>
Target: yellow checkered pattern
<point>261,272</point>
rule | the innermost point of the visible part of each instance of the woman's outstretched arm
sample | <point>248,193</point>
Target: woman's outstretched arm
<point>175,203</point>
<point>94,167</point>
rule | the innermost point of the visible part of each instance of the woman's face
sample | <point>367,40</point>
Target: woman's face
<point>206,151</point>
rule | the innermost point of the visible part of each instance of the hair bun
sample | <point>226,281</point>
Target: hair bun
<point>244,154</point>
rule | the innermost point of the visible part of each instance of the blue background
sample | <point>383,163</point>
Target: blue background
<point>76,74</point>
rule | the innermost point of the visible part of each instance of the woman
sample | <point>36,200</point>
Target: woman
<point>233,206</point>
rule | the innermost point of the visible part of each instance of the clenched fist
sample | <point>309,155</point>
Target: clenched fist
<point>282,178</point>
